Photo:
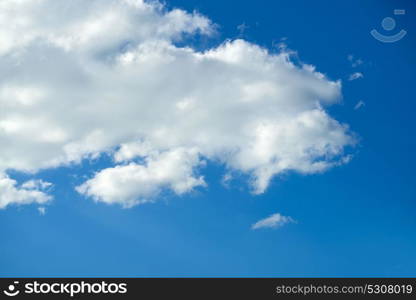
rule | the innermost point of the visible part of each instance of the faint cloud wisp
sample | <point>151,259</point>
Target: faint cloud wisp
<point>355,76</point>
<point>273,221</point>
<point>359,105</point>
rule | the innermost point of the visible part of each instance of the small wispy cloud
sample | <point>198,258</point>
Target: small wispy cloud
<point>226,179</point>
<point>242,28</point>
<point>355,62</point>
<point>355,76</point>
<point>281,44</point>
<point>42,210</point>
<point>273,221</point>
<point>359,105</point>
<point>37,184</point>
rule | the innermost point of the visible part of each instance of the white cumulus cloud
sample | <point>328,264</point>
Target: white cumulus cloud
<point>27,193</point>
<point>273,221</point>
<point>83,78</point>
<point>134,183</point>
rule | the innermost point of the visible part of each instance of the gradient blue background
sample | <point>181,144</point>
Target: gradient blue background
<point>355,220</point>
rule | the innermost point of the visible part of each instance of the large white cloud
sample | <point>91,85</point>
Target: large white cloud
<point>79,78</point>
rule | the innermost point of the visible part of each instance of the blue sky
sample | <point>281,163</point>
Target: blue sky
<point>357,219</point>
